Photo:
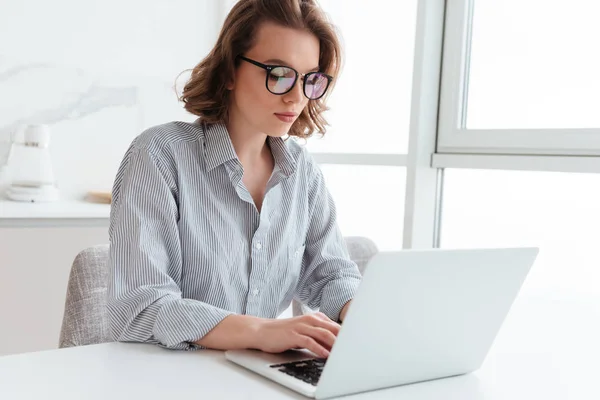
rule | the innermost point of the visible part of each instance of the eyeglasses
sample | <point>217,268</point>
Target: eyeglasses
<point>281,80</point>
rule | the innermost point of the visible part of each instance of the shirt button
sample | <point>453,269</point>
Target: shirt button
<point>255,292</point>
<point>258,245</point>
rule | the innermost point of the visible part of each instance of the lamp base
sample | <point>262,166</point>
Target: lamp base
<point>32,193</point>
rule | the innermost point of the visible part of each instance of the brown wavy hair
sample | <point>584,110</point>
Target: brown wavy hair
<point>205,93</point>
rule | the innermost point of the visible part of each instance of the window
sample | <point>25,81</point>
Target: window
<point>557,212</point>
<point>526,73</point>
<point>364,151</point>
<point>520,77</point>
<point>370,106</point>
<point>370,201</point>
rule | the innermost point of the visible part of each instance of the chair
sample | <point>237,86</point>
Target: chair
<point>85,319</point>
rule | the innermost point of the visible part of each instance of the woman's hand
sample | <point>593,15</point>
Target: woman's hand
<point>315,332</point>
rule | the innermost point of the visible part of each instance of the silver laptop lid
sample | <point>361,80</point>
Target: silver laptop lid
<point>423,314</point>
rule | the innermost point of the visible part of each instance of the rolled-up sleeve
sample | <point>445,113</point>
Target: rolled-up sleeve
<point>329,277</point>
<point>145,303</point>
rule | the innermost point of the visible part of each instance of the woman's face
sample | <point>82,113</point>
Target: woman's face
<point>251,103</point>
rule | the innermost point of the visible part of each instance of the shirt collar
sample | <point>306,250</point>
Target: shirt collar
<point>282,155</point>
<point>220,149</point>
<point>218,145</point>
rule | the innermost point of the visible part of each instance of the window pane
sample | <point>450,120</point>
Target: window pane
<point>534,64</point>
<point>558,212</point>
<point>370,201</point>
<point>370,106</point>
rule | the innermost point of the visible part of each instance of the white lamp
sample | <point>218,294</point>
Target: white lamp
<point>31,174</point>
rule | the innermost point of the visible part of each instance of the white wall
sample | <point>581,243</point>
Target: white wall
<point>98,72</point>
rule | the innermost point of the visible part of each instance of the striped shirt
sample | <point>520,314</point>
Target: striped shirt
<point>188,247</point>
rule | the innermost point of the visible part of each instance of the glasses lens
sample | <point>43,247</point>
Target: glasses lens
<point>315,85</point>
<point>281,79</point>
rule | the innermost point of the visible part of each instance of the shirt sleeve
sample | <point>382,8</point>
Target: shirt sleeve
<point>144,301</point>
<point>329,278</point>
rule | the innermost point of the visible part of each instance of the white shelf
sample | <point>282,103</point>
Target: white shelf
<point>60,213</point>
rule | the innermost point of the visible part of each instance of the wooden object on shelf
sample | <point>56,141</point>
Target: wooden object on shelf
<point>99,197</point>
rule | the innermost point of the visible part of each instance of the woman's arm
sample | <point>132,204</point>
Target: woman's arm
<point>144,299</point>
<point>315,332</point>
<point>330,278</point>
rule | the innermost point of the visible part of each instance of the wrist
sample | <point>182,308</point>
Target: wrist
<point>233,333</point>
<point>252,332</point>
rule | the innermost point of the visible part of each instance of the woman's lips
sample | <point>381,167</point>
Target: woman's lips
<point>286,117</point>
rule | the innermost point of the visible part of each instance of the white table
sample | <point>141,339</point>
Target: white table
<point>524,364</point>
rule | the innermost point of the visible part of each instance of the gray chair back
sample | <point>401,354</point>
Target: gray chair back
<point>85,319</point>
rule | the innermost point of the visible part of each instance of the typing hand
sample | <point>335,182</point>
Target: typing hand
<point>315,332</point>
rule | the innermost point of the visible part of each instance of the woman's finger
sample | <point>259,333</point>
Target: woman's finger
<point>324,322</point>
<point>312,345</point>
<point>321,335</point>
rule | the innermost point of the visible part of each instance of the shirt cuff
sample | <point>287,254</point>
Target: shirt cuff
<point>181,322</point>
<point>336,294</point>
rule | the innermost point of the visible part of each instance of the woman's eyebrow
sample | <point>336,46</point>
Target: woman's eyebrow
<point>282,62</point>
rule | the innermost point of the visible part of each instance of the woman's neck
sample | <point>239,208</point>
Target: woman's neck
<point>250,147</point>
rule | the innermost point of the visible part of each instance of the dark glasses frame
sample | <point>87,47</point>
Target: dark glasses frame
<point>270,68</point>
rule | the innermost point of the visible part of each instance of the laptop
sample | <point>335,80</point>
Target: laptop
<point>418,315</point>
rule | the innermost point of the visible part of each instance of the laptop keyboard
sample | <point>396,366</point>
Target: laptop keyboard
<point>308,371</point>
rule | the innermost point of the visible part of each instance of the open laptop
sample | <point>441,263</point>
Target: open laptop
<point>418,315</point>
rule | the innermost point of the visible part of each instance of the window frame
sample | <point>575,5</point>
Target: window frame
<point>455,138</point>
<point>422,211</point>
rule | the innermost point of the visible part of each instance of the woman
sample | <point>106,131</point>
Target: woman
<point>217,225</point>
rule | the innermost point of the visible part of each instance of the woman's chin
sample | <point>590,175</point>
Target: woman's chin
<point>278,131</point>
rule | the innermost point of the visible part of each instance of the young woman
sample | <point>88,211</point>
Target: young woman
<point>217,225</point>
